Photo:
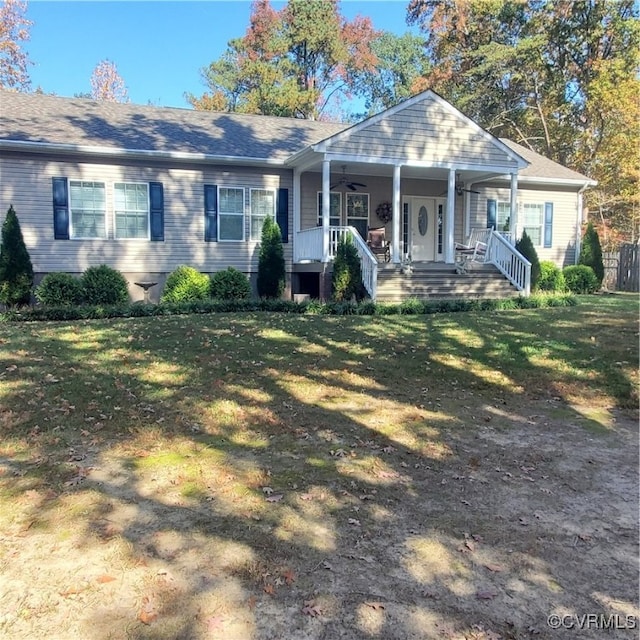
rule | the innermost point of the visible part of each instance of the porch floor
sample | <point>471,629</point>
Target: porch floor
<point>438,280</point>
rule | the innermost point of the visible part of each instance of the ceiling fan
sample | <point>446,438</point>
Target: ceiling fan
<point>347,183</point>
<point>459,187</point>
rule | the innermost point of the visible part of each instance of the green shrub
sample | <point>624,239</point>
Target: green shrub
<point>526,248</point>
<point>271,267</point>
<point>580,278</point>
<point>346,280</point>
<point>104,285</point>
<point>591,253</point>
<point>59,289</point>
<point>185,284</point>
<point>16,270</point>
<point>551,277</point>
<point>230,284</point>
<point>412,306</point>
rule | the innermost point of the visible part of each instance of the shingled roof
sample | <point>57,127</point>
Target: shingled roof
<point>29,117</point>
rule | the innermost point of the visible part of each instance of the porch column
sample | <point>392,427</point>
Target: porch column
<point>397,216</point>
<point>449,253</point>
<point>296,211</point>
<point>513,213</point>
<point>326,208</point>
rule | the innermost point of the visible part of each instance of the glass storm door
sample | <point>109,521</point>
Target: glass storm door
<point>424,227</point>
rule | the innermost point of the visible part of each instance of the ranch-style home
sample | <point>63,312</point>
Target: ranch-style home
<point>146,189</point>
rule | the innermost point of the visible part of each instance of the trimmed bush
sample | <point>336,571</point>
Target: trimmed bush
<point>271,267</point>
<point>230,284</point>
<point>346,280</point>
<point>580,278</point>
<point>104,285</point>
<point>59,289</point>
<point>16,270</point>
<point>526,248</point>
<point>591,253</point>
<point>185,284</point>
<point>551,277</point>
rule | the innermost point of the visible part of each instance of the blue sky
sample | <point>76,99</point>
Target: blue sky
<point>158,47</point>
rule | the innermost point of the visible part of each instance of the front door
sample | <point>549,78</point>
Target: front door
<point>424,226</point>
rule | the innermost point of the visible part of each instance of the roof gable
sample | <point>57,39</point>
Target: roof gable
<point>425,128</point>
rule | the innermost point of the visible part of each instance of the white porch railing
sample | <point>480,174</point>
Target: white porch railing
<point>308,248</point>
<point>510,262</point>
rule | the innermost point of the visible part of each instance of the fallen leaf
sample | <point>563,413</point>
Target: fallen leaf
<point>267,490</point>
<point>310,608</point>
<point>289,576</point>
<point>73,591</point>
<point>375,605</point>
<point>354,522</point>
<point>104,578</point>
<point>276,498</point>
<point>486,594</point>
<point>251,603</point>
<point>269,589</point>
<point>214,623</point>
<point>495,568</point>
<point>148,612</point>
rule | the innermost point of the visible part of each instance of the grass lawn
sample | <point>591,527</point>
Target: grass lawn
<point>261,475</point>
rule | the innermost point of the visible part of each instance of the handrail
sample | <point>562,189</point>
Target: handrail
<point>510,262</point>
<point>308,247</point>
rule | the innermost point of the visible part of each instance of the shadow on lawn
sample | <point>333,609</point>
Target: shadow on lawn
<point>382,437</point>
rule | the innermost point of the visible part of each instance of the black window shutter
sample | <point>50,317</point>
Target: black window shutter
<point>210,213</point>
<point>491,214</point>
<point>156,210</point>
<point>548,224</point>
<point>282,213</point>
<point>60,209</point>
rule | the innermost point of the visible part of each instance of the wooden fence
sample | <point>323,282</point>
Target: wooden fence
<point>621,269</point>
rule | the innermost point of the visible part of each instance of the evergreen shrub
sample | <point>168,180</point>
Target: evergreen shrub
<point>104,285</point>
<point>59,289</point>
<point>16,270</point>
<point>271,267</point>
<point>230,284</point>
<point>551,277</point>
<point>185,284</point>
<point>580,278</point>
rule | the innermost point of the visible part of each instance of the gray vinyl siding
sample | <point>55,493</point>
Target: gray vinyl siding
<point>425,131</point>
<point>25,182</point>
<point>565,215</point>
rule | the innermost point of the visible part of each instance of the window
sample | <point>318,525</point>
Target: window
<point>131,208</point>
<point>358,212</point>
<point>503,216</point>
<point>335,207</point>
<point>533,217</point>
<point>230,214</point>
<point>263,204</point>
<point>87,209</point>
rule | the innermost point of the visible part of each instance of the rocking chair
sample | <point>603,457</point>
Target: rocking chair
<point>378,244</point>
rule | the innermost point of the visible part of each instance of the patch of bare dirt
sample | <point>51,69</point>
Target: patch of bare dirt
<point>528,525</point>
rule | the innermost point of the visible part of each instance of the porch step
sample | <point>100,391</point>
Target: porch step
<point>439,281</point>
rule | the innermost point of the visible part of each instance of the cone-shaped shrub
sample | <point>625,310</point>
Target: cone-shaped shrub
<point>591,253</point>
<point>16,270</point>
<point>346,280</point>
<point>526,248</point>
<point>271,268</point>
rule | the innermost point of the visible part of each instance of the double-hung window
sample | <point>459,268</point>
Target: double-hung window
<point>87,209</point>
<point>533,220</point>
<point>503,216</point>
<point>335,207</point>
<point>230,214</point>
<point>358,212</point>
<point>131,209</point>
<point>263,204</point>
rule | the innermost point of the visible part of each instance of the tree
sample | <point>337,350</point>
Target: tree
<point>106,83</point>
<point>591,252</point>
<point>271,267</point>
<point>296,62</point>
<point>401,65</point>
<point>14,30</point>
<point>16,270</point>
<point>558,77</point>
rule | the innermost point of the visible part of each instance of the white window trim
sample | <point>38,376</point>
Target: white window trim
<point>72,235</point>
<point>221,213</point>
<point>115,229</point>
<point>319,204</point>
<point>523,223</point>
<point>251,215</point>
<point>366,217</point>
